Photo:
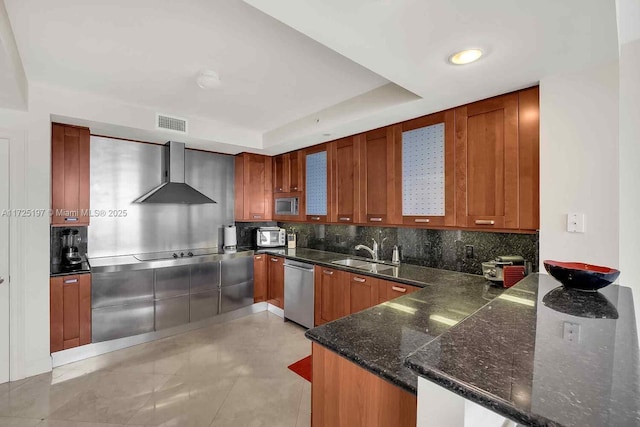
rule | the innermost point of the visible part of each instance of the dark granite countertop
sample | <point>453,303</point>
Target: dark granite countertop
<point>544,356</point>
<point>57,270</point>
<point>408,274</point>
<point>380,338</point>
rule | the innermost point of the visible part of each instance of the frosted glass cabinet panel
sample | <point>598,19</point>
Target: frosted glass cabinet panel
<point>316,185</point>
<point>426,157</point>
<point>423,171</point>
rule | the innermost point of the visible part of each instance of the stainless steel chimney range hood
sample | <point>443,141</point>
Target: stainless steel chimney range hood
<point>174,190</point>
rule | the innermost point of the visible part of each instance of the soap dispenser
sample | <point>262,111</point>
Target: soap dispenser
<point>395,257</point>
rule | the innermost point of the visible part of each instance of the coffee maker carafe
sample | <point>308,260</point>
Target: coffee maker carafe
<point>70,254</point>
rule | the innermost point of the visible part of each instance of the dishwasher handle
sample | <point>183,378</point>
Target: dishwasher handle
<point>310,270</point>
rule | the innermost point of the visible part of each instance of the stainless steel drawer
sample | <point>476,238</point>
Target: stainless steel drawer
<point>108,323</point>
<point>203,305</point>
<point>236,296</point>
<point>236,271</point>
<point>172,312</point>
<point>129,287</point>
<point>205,277</point>
<point>171,282</point>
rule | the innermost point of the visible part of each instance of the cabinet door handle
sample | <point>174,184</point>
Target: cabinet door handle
<point>345,218</point>
<point>421,220</point>
<point>279,188</point>
<point>398,289</point>
<point>257,216</point>
<point>71,219</point>
<point>259,257</point>
<point>329,272</point>
<point>375,219</point>
<point>485,222</point>
<point>71,281</point>
<point>315,218</point>
<point>274,259</point>
<point>294,188</point>
<point>359,279</point>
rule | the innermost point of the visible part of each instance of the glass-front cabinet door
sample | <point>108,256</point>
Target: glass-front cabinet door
<point>316,184</point>
<point>425,162</point>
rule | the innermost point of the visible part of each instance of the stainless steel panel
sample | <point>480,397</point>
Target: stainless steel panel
<point>171,282</point>
<point>128,263</point>
<point>109,323</point>
<point>205,277</point>
<point>298,293</point>
<point>203,305</point>
<point>172,312</point>
<point>121,171</point>
<point>235,271</point>
<point>110,289</point>
<point>236,296</point>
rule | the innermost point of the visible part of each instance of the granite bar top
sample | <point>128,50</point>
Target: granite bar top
<point>380,338</point>
<point>543,356</point>
<point>408,274</point>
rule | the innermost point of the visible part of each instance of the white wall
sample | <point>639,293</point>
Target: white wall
<point>630,169</point>
<point>579,165</point>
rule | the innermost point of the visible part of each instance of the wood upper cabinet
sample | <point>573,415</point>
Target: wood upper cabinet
<point>317,182</point>
<point>70,311</point>
<point>345,191</point>
<point>260,277</point>
<point>388,290</point>
<point>363,292</point>
<point>425,166</point>
<point>275,285</point>
<point>331,300</point>
<point>529,158</point>
<point>253,187</point>
<point>69,175</point>
<point>487,163</point>
<point>378,176</point>
<point>287,174</point>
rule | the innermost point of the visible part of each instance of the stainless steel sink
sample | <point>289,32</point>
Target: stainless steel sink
<point>350,262</point>
<point>372,267</point>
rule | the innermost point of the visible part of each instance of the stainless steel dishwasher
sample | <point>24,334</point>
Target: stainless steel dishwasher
<point>298,292</point>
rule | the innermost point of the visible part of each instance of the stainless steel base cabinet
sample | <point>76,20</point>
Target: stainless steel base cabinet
<point>204,305</point>
<point>119,321</point>
<point>172,312</point>
<point>236,284</point>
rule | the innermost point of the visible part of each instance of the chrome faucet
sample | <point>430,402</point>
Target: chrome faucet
<point>373,251</point>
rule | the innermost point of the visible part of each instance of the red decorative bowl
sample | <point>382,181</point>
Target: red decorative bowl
<point>578,275</point>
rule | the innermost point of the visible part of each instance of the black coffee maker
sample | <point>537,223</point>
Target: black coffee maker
<point>70,255</point>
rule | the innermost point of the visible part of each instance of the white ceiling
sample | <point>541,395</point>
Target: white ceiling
<point>149,52</point>
<point>306,68</point>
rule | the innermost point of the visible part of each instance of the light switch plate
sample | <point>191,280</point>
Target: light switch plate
<point>575,223</point>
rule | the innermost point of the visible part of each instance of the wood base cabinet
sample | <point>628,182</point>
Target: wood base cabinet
<point>69,175</point>
<point>331,299</point>
<point>275,285</point>
<point>260,278</point>
<point>70,311</point>
<point>388,290</point>
<point>345,395</point>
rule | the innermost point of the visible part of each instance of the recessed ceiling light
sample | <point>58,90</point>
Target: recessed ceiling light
<point>465,56</point>
<point>208,79</point>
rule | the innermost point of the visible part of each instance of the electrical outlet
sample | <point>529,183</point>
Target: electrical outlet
<point>468,251</point>
<point>571,332</point>
<point>575,222</point>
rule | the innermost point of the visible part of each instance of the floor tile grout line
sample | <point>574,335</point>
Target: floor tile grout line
<point>224,401</point>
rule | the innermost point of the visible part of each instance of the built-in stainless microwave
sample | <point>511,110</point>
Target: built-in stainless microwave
<point>286,206</point>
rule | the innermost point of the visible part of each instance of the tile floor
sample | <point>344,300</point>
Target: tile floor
<point>231,374</point>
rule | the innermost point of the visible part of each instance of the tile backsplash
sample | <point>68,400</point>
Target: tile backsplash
<point>445,249</point>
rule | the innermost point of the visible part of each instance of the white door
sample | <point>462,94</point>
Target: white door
<point>4,260</point>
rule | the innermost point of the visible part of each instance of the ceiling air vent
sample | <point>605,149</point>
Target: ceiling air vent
<point>173,124</point>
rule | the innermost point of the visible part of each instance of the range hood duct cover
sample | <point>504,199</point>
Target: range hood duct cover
<point>174,190</point>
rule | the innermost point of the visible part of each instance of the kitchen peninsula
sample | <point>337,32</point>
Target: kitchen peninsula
<point>511,356</point>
